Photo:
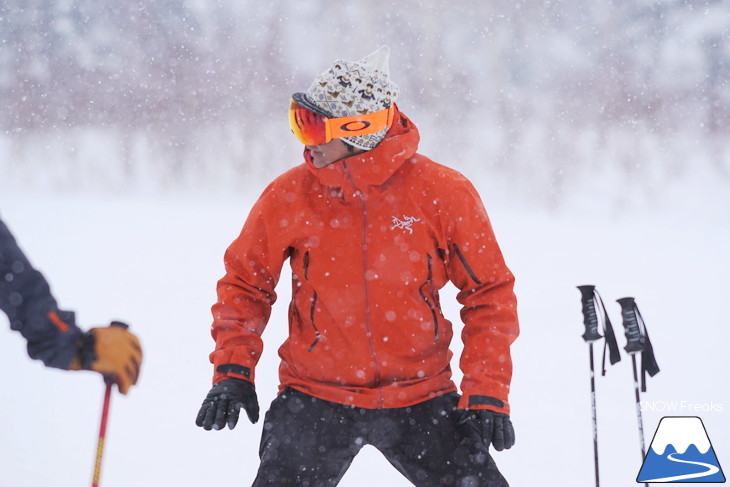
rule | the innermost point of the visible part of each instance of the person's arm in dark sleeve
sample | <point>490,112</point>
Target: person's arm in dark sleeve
<point>26,298</point>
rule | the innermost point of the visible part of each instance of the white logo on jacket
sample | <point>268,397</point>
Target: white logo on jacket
<point>405,224</point>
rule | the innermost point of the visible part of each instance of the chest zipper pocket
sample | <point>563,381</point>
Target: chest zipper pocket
<point>314,302</point>
<point>434,314</point>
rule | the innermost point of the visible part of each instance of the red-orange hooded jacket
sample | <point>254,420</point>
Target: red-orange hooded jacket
<point>371,239</point>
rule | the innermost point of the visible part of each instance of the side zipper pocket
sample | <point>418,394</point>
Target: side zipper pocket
<point>314,302</point>
<point>434,314</point>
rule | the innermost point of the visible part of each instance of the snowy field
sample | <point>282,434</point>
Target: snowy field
<point>153,260</point>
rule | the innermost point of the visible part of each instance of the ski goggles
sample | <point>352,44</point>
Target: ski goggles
<point>312,128</point>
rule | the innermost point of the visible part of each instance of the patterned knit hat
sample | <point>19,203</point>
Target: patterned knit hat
<point>351,88</point>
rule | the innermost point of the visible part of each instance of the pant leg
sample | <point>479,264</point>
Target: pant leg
<point>432,449</point>
<point>306,442</point>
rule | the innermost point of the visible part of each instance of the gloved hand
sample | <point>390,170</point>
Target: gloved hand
<point>112,351</point>
<point>224,402</point>
<point>495,428</point>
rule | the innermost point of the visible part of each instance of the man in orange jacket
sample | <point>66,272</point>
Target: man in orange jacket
<point>372,231</point>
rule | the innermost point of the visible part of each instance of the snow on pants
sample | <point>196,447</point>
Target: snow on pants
<point>308,442</point>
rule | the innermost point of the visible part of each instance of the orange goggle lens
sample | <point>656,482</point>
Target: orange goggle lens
<point>309,127</point>
<point>314,129</point>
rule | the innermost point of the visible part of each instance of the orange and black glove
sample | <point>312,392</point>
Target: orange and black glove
<point>112,351</point>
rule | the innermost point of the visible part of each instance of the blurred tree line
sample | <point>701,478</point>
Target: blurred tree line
<point>179,92</point>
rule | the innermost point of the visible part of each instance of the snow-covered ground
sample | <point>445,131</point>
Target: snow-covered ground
<point>153,260</point>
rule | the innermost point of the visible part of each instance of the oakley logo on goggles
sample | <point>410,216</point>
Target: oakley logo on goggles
<point>314,129</point>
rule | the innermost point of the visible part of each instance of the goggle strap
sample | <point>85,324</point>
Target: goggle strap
<point>376,122</point>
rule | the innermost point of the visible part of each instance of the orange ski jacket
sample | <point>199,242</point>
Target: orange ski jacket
<point>371,239</point>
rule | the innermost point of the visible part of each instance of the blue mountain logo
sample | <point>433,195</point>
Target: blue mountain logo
<point>681,452</point>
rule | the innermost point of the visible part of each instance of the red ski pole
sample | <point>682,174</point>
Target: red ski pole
<point>102,434</point>
<point>102,426</point>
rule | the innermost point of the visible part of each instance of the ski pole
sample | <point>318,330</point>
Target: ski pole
<point>637,341</point>
<point>102,434</point>
<point>102,426</point>
<point>590,320</point>
<point>591,301</point>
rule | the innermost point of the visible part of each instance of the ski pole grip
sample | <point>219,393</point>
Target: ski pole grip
<point>125,326</point>
<point>590,318</point>
<point>635,341</point>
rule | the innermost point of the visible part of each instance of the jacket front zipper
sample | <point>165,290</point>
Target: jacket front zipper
<point>368,325</point>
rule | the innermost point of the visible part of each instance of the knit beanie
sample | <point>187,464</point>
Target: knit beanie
<point>352,88</point>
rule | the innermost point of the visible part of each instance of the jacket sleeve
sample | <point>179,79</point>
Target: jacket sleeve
<point>477,268</point>
<point>25,296</point>
<point>246,293</point>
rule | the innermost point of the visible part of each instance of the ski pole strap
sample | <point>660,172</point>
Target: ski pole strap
<point>592,305</point>
<point>648,361</point>
<point>610,342</point>
<point>637,339</point>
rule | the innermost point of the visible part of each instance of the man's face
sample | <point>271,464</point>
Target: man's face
<point>334,150</point>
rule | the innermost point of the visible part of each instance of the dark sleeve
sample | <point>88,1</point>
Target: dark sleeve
<point>26,298</point>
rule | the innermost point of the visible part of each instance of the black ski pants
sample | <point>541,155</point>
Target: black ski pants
<point>308,442</point>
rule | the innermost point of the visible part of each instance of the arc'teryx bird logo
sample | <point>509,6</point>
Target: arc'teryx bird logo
<point>405,223</point>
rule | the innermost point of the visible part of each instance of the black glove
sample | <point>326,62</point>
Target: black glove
<point>224,402</point>
<point>495,428</point>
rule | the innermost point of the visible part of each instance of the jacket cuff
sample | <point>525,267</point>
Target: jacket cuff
<point>58,348</point>
<point>232,371</point>
<point>475,401</point>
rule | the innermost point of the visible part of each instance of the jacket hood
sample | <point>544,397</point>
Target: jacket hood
<point>376,166</point>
